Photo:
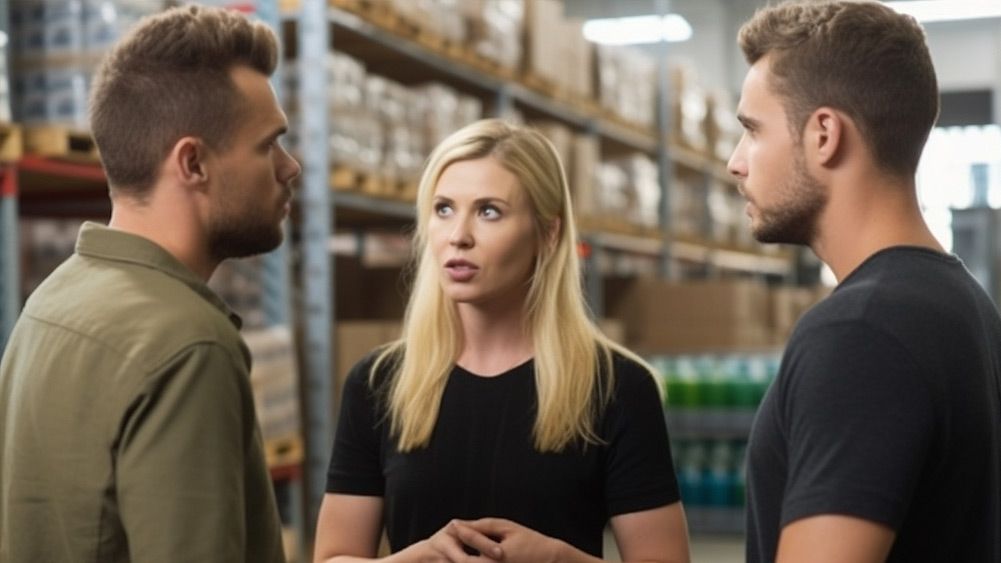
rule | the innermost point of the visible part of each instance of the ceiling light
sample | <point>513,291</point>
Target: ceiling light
<point>926,11</point>
<point>638,29</point>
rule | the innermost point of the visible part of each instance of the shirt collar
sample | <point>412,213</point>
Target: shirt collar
<point>99,241</point>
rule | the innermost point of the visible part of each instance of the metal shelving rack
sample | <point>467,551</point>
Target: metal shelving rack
<point>9,286</point>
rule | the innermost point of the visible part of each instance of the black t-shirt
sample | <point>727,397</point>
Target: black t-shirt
<point>886,408</point>
<point>481,461</point>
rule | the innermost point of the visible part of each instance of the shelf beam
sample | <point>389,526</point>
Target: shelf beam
<point>317,276</point>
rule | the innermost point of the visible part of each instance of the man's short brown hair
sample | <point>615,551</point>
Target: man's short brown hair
<point>861,58</point>
<point>167,79</point>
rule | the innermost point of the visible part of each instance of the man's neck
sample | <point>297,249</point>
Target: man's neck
<point>864,219</point>
<point>170,227</point>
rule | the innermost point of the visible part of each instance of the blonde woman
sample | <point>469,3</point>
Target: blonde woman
<point>503,426</point>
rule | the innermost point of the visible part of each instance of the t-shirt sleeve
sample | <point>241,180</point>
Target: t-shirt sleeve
<point>639,472</point>
<point>356,464</point>
<point>860,421</point>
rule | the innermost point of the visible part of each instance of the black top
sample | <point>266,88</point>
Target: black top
<point>481,461</point>
<point>886,408</point>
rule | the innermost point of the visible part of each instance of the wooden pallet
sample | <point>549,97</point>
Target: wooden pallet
<point>486,65</point>
<point>62,142</point>
<point>11,142</point>
<point>614,117</point>
<point>279,452</point>
<point>406,190</point>
<point>346,178</point>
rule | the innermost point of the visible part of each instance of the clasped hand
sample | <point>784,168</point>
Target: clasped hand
<point>495,539</point>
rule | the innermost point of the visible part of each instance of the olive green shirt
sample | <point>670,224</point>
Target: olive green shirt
<point>127,424</point>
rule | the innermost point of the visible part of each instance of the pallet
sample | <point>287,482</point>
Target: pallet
<point>617,225</point>
<point>61,142</point>
<point>11,142</point>
<point>549,88</point>
<point>614,117</point>
<point>486,65</point>
<point>280,452</point>
<point>406,190</point>
<point>346,178</point>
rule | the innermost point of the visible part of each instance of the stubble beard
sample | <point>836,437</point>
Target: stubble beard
<point>236,235</point>
<point>794,219</point>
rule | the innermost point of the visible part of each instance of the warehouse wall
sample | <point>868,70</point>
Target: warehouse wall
<point>967,54</point>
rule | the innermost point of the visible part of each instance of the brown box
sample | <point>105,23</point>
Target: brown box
<point>353,340</point>
<point>367,293</point>
<point>689,317</point>
<point>581,174</point>
<point>788,305</point>
<point>543,23</point>
<point>579,62</point>
<point>560,136</point>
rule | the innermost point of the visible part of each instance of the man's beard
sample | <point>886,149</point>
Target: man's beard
<point>794,219</point>
<point>236,236</point>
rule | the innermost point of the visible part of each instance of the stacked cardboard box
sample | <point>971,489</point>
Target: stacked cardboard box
<point>628,189</point>
<point>353,340</point>
<point>664,317</point>
<point>495,29</point>
<point>627,84</point>
<point>275,382</point>
<point>555,48</point>
<point>788,305</point>
<point>44,244</point>
<point>582,175</point>
<point>706,316</point>
<point>238,283</point>
<point>722,129</point>
<point>690,109</point>
<point>55,47</point>
<point>379,126</point>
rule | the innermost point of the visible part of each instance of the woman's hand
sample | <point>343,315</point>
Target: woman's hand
<point>519,543</point>
<point>447,546</point>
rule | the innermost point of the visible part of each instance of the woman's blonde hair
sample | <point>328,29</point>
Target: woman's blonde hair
<point>573,359</point>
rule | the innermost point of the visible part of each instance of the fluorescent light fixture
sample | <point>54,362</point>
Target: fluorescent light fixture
<point>638,29</point>
<point>927,11</point>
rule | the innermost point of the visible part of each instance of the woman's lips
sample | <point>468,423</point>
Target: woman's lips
<point>460,270</point>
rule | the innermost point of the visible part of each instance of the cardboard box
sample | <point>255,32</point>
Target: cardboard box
<point>562,138</point>
<point>274,378</point>
<point>368,293</point>
<point>664,317</point>
<point>582,174</point>
<point>614,329</point>
<point>543,40</point>
<point>353,340</point>
<point>788,305</point>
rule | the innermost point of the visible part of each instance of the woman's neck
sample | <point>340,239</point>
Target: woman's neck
<point>493,341</point>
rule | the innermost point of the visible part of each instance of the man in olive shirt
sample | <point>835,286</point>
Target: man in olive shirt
<point>127,426</point>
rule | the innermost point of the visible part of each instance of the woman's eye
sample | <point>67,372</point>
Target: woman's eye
<point>443,209</point>
<point>490,212</point>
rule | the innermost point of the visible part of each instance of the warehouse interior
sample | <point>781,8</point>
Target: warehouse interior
<point>644,131</point>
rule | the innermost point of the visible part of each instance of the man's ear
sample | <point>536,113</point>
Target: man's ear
<point>824,136</point>
<point>188,162</point>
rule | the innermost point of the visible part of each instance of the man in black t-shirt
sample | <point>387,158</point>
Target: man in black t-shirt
<point>880,439</point>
